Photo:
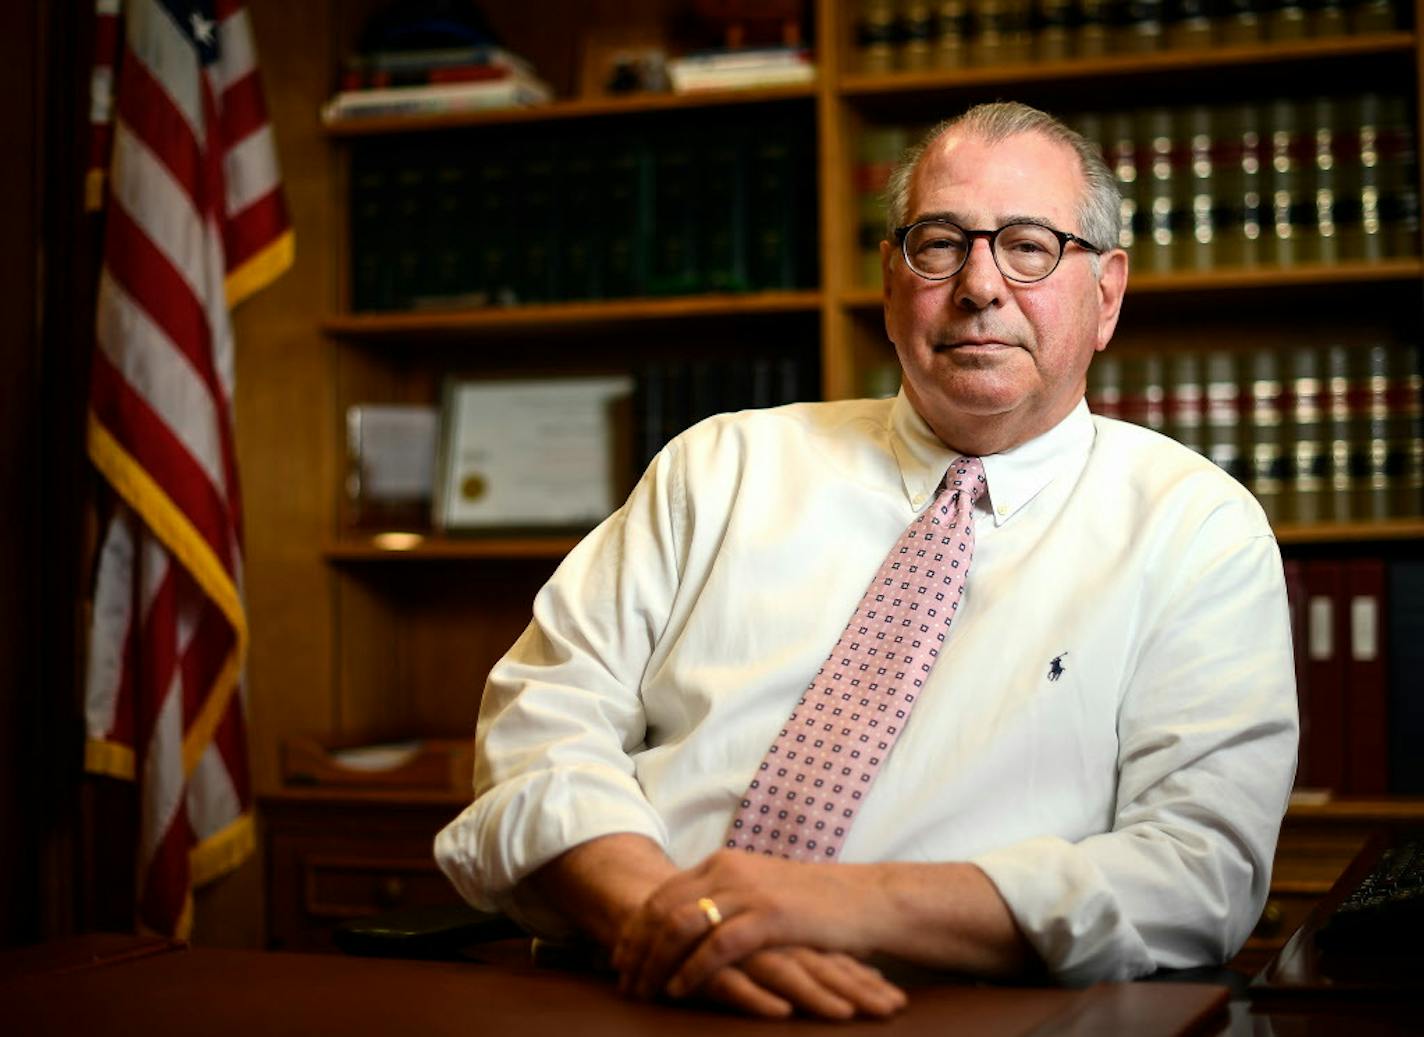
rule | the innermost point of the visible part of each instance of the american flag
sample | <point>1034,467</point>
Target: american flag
<point>184,165</point>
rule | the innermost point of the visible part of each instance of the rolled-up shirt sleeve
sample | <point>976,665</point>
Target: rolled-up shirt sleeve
<point>562,713</point>
<point>1207,734</point>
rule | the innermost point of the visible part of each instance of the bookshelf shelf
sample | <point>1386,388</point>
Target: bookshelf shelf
<point>861,85</point>
<point>1351,532</point>
<point>416,547</point>
<point>566,314</point>
<point>1303,276</point>
<point>584,108</point>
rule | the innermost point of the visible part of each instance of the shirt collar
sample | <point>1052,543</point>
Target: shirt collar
<point>1014,477</point>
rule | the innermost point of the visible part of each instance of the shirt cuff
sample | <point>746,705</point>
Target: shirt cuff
<point>1066,910</point>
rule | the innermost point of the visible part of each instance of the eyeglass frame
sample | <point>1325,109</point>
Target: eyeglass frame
<point>902,235</point>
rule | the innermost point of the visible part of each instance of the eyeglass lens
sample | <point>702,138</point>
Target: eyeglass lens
<point>1024,251</point>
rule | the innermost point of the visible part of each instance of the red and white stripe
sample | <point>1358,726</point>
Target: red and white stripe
<point>195,221</point>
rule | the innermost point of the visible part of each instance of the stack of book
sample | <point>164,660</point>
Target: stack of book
<point>1358,627</point>
<point>521,216</point>
<point>1318,433</point>
<point>740,69</point>
<point>910,35</point>
<point>431,82</point>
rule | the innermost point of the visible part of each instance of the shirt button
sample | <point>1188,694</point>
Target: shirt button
<point>1003,511</point>
<point>919,500</point>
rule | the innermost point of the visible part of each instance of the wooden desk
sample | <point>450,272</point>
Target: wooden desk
<point>160,989</point>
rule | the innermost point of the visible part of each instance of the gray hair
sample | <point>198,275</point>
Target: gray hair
<point>1098,211</point>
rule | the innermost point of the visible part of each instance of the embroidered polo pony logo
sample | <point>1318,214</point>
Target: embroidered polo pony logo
<point>1055,668</point>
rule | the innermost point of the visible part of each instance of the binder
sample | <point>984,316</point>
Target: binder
<point>1325,674</point>
<point>1367,752</point>
<point>1406,678</point>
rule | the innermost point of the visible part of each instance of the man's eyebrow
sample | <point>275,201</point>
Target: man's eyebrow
<point>954,217</point>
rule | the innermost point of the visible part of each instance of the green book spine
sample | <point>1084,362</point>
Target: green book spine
<point>498,232</point>
<point>410,255</point>
<point>674,267</point>
<point>773,205</point>
<point>877,151</point>
<point>624,215</point>
<point>371,204</point>
<point>538,250</point>
<point>580,239</point>
<point>723,210</point>
<point>451,273</point>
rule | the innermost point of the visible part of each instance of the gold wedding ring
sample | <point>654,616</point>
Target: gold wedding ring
<point>709,908</point>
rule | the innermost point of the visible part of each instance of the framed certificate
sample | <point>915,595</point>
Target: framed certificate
<point>528,454</point>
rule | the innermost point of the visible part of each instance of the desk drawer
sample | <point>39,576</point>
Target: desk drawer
<point>350,887</point>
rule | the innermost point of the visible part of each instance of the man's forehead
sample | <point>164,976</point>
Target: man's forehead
<point>1019,173</point>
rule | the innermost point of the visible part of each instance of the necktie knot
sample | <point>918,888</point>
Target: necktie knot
<point>965,477</point>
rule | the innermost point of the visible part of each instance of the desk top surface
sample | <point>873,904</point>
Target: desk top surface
<point>161,989</point>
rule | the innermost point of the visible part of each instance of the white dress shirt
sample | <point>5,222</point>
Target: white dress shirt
<point>1126,809</point>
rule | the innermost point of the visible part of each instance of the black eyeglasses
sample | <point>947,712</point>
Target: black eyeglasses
<point>1023,252</point>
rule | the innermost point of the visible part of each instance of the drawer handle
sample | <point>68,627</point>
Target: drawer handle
<point>390,891</point>
<point>1272,918</point>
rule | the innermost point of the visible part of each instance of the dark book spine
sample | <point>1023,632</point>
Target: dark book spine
<point>1189,24</point>
<point>1376,460</point>
<point>722,210</point>
<point>1408,410</point>
<point>580,237</point>
<point>498,234</point>
<point>410,255</point>
<point>875,36</point>
<point>1093,37</point>
<point>624,216</point>
<point>1296,602</point>
<point>915,27</point>
<point>1143,27</point>
<point>1399,191</point>
<point>1326,629</point>
<point>371,227</point>
<point>1056,21</point>
<point>1406,687</point>
<point>675,267</point>
<point>1239,21</point>
<point>953,28</point>
<point>1285,20</point>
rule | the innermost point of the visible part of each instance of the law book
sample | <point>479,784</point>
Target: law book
<point>1054,38</point>
<point>1093,36</point>
<point>1326,645</point>
<point>497,241</point>
<point>1368,182</point>
<point>915,25</point>
<point>1239,21</point>
<point>1325,178</point>
<point>674,262</point>
<point>580,241</point>
<point>1327,18</point>
<point>624,215</point>
<point>1305,498</point>
<point>1373,16</point>
<point>1142,28</point>
<point>1121,153</point>
<point>1188,25</point>
<point>1405,649</point>
<point>537,243</point>
<point>1399,190</point>
<point>722,210</point>
<point>988,46</point>
<point>1374,449</point>
<point>1407,406</point>
<point>953,27</point>
<point>1184,401</point>
<point>1222,397</point>
<point>1339,434</point>
<point>878,148</point>
<point>1242,187</point>
<point>781,208</point>
<point>1265,455</point>
<point>1197,246</point>
<point>371,224</point>
<point>1366,681</point>
<point>1162,191</point>
<point>450,275</point>
<point>1144,393</point>
<point>1291,212</point>
<point>875,30</point>
<point>409,253</point>
<point>1105,384</point>
<point>1285,20</point>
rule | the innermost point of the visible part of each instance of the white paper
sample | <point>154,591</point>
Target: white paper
<point>530,453</point>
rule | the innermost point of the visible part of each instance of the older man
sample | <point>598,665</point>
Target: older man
<point>1056,732</point>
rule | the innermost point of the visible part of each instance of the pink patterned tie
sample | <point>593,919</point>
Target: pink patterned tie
<point>815,776</point>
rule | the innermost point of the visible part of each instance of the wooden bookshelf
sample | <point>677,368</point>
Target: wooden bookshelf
<point>1380,532</point>
<point>565,110</point>
<point>1230,281</point>
<point>1189,61</point>
<point>405,325</point>
<point>422,547</point>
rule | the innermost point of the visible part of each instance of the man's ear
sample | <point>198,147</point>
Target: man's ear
<point>1112,285</point>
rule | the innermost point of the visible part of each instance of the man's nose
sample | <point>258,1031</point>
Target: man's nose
<point>979,283</point>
